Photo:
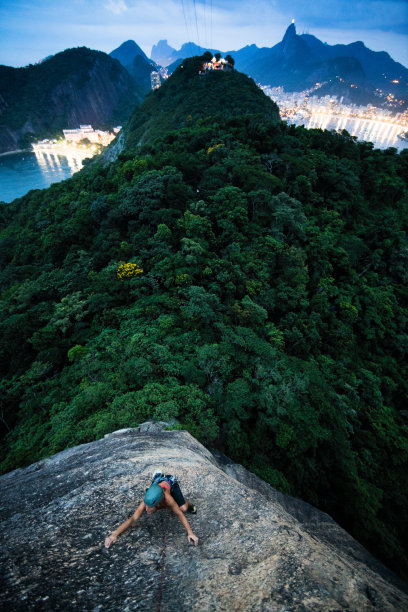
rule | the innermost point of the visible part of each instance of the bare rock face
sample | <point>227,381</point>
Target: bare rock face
<point>258,550</point>
<point>76,86</point>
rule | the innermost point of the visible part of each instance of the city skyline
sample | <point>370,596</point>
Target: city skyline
<point>31,32</point>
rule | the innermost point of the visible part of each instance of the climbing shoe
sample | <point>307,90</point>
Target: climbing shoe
<point>192,509</point>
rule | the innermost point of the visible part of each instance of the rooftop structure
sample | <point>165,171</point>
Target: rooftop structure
<point>216,64</point>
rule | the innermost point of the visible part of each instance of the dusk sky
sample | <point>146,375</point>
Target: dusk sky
<point>31,30</point>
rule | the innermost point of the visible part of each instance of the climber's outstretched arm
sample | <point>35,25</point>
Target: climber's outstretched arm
<point>175,508</point>
<point>130,521</point>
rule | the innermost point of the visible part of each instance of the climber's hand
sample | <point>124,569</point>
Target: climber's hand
<point>192,538</point>
<point>110,540</point>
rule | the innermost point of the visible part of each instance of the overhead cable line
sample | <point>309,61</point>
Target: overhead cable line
<point>196,23</point>
<point>205,24</point>
<point>186,22</point>
<point>211,25</point>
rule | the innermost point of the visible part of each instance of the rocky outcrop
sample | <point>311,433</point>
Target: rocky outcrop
<point>259,550</point>
<point>93,101</point>
<point>163,54</point>
<point>77,86</point>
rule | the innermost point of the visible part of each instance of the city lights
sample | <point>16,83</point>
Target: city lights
<point>381,126</point>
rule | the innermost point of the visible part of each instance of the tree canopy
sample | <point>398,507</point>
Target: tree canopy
<point>235,276</point>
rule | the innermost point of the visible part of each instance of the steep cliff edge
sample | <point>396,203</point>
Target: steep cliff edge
<point>73,87</point>
<point>259,550</point>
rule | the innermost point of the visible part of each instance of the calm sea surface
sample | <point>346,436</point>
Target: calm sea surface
<point>20,172</point>
<point>382,133</point>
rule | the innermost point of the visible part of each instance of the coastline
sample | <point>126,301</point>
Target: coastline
<point>382,134</point>
<point>63,149</point>
<point>57,149</point>
<point>15,151</point>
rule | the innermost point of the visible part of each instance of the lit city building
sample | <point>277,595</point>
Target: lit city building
<point>86,132</point>
<point>383,126</point>
<point>74,139</point>
<point>155,80</point>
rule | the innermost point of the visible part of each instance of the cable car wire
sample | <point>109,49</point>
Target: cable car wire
<point>196,23</point>
<point>187,28</point>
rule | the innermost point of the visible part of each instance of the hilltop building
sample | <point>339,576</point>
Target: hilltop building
<point>216,64</point>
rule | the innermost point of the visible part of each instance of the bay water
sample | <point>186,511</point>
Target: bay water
<point>20,172</point>
<point>383,134</point>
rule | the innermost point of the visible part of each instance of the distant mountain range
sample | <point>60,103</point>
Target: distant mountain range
<point>72,87</point>
<point>165,55</point>
<point>84,86</point>
<point>298,62</point>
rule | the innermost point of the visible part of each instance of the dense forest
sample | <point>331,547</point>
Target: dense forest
<point>241,278</point>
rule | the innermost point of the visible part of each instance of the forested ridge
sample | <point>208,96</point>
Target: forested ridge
<point>245,278</point>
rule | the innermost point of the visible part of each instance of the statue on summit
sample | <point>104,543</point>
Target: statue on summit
<point>164,492</point>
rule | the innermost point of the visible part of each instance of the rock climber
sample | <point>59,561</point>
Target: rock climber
<point>164,492</point>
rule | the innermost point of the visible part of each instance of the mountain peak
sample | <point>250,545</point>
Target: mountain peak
<point>293,47</point>
<point>187,92</point>
<point>290,33</point>
<point>163,53</point>
<point>127,52</point>
<point>77,86</point>
<point>358,45</point>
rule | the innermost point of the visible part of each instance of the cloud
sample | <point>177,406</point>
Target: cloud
<point>48,26</point>
<point>345,14</point>
<point>117,7</point>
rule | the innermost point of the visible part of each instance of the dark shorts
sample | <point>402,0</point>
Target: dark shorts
<point>177,495</point>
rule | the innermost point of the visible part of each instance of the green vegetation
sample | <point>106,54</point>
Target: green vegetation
<point>217,95</point>
<point>265,310</point>
<point>43,99</point>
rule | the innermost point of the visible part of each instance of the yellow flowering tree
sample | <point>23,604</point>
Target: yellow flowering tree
<point>216,146</point>
<point>128,270</point>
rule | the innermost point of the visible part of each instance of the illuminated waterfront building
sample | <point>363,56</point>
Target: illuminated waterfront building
<point>87,132</point>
